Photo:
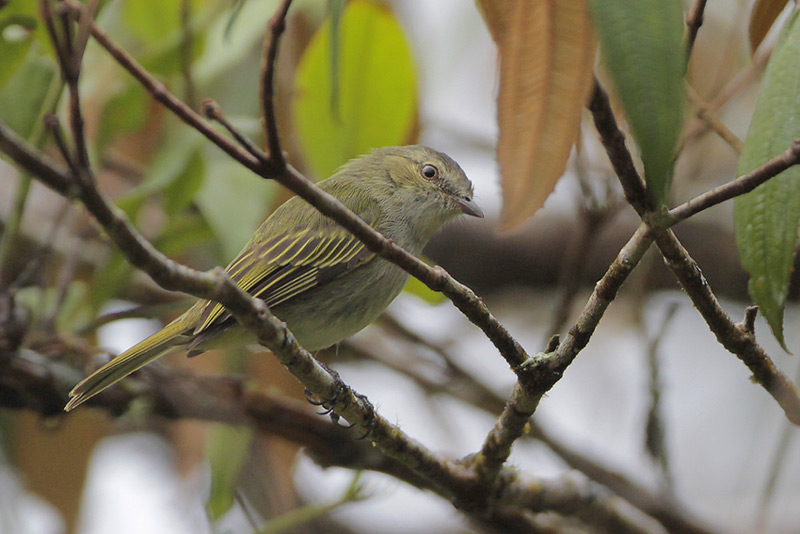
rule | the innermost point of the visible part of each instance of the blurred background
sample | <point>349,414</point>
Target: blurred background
<point>653,400</point>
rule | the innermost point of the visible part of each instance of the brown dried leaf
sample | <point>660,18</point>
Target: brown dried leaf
<point>547,59</point>
<point>762,18</point>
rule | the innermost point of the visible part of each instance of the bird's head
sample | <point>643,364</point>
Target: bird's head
<point>425,185</point>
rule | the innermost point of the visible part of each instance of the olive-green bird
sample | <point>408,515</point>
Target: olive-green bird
<point>312,273</point>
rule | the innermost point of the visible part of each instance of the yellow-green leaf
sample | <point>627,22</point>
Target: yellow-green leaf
<point>547,58</point>
<point>153,20</point>
<point>642,45</point>
<point>423,292</point>
<point>16,36</point>
<point>762,18</point>
<point>227,450</point>
<point>20,28</point>
<point>233,203</point>
<point>766,219</point>
<point>22,98</point>
<point>375,104</point>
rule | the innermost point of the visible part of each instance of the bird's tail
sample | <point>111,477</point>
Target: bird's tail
<point>126,363</point>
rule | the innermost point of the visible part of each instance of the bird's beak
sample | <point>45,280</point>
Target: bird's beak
<point>468,206</point>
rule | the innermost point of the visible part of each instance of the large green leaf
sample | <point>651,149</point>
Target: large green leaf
<point>233,202</point>
<point>642,44</point>
<point>16,36</point>
<point>176,171</point>
<point>375,103</point>
<point>20,27</point>
<point>22,98</point>
<point>766,219</point>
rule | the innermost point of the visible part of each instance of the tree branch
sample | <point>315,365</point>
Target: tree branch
<point>31,380</point>
<point>545,369</point>
<point>435,278</point>
<point>732,336</point>
<point>276,27</point>
<point>450,479</point>
<point>694,19</point>
<point>739,186</point>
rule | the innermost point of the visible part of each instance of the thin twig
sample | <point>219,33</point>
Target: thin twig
<point>593,217</point>
<point>11,228</point>
<point>731,89</point>
<point>655,432</point>
<point>70,59</point>
<point>734,338</point>
<point>187,48</point>
<point>633,187</point>
<point>547,368</point>
<point>730,335</point>
<point>53,125</point>
<point>212,110</point>
<point>694,19</point>
<point>276,26</point>
<point>739,186</point>
<point>703,111</point>
<point>13,221</point>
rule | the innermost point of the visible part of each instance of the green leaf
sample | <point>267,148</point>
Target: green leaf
<point>16,36</point>
<point>181,234</point>
<point>158,24</point>
<point>376,104</point>
<point>22,98</point>
<point>151,20</point>
<point>421,291</point>
<point>109,279</point>
<point>642,44</point>
<point>766,219</point>
<point>177,171</point>
<point>226,449</point>
<point>20,27</point>
<point>234,202</point>
<point>123,112</point>
<point>166,58</point>
<point>74,311</point>
<point>180,193</point>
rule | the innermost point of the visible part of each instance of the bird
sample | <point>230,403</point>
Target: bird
<point>313,274</point>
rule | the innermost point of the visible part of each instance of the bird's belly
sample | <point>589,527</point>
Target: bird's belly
<point>332,312</point>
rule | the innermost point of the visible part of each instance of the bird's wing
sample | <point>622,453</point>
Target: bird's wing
<point>285,266</point>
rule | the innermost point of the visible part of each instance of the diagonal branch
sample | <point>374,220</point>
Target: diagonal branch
<point>36,382</point>
<point>732,336</point>
<point>545,369</point>
<point>435,278</point>
<point>250,311</point>
<point>448,478</point>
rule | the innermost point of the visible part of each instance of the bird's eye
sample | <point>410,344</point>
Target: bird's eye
<point>429,172</point>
